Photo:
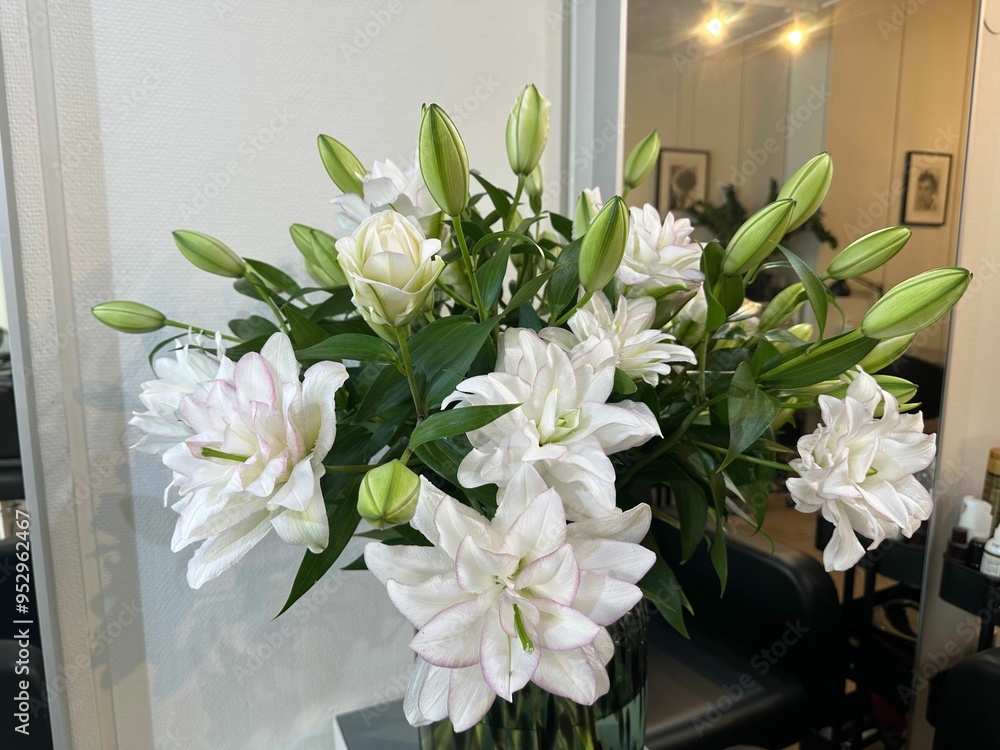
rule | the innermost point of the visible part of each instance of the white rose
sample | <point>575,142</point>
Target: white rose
<point>390,267</point>
<point>858,470</point>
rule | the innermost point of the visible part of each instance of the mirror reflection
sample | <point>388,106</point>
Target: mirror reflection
<point>742,94</point>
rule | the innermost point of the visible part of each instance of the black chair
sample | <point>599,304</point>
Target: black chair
<point>963,705</point>
<point>764,664</point>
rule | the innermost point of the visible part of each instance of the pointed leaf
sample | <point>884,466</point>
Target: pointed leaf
<point>457,422</point>
<point>815,291</point>
<point>751,412</point>
<point>350,346</point>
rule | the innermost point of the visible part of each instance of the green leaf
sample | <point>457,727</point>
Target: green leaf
<point>624,383</point>
<point>562,224</point>
<point>252,327</point>
<point>444,457</point>
<point>811,363</point>
<point>751,412</point>
<point>661,587</point>
<point>497,196</point>
<point>350,346</point>
<point>719,559</point>
<point>162,344</point>
<point>765,352</point>
<point>528,318</point>
<point>457,422</point>
<point>339,302</point>
<point>388,389</point>
<point>815,291</point>
<point>529,289</point>
<point>444,350</point>
<point>275,277</point>
<point>711,266</point>
<point>253,345</point>
<point>340,497</point>
<point>305,333</point>
<point>491,274</point>
<point>565,281</point>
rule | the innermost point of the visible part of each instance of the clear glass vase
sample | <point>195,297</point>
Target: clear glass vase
<point>537,720</point>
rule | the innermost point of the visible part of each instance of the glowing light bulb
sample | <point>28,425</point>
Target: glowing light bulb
<point>714,26</point>
<point>795,37</point>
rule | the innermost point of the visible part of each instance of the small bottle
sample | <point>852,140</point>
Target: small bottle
<point>991,487</point>
<point>990,565</point>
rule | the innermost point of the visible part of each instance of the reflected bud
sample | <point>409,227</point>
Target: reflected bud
<point>641,160</point>
<point>807,187</point>
<point>782,307</point>
<point>868,253</point>
<point>886,352</point>
<point>757,238</point>
<point>916,303</point>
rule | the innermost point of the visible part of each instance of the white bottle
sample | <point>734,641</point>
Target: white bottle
<point>990,566</point>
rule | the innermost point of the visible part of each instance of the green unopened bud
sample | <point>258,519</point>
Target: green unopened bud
<point>209,254</point>
<point>603,245</point>
<point>803,331</point>
<point>586,210</point>
<point>444,162</point>
<point>916,303</point>
<point>757,237</point>
<point>807,187</point>
<point>388,495</point>
<point>527,131</point>
<point>886,352</point>
<point>782,307</point>
<point>129,317</point>
<point>534,187</point>
<point>344,168</point>
<point>320,254</point>
<point>868,253</point>
<point>641,160</point>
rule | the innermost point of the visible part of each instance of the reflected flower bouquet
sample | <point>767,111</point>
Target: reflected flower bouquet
<point>479,386</point>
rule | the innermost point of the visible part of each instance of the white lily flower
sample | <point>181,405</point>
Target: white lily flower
<point>386,186</point>
<point>858,470</point>
<point>176,377</point>
<point>255,458</point>
<point>521,598</point>
<point>660,261</point>
<point>564,427</point>
<point>390,267</point>
<point>640,350</point>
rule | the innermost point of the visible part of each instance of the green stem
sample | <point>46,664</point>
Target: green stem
<point>266,296</point>
<point>508,222</point>
<point>569,313</point>
<point>702,356</point>
<point>203,331</point>
<point>669,442</point>
<point>625,191</point>
<point>743,457</point>
<point>467,260</point>
<point>349,469</point>
<point>411,377</point>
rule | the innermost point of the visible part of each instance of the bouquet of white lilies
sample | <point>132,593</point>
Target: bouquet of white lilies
<point>488,385</point>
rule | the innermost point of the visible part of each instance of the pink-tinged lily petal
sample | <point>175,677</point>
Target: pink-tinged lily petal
<point>555,576</point>
<point>623,560</point>
<point>406,564</point>
<point>278,352</point>
<point>630,526</point>
<point>451,638</point>
<point>306,528</point>
<point>478,569</point>
<point>254,379</point>
<point>427,504</point>
<point>427,694</point>
<point>221,552</point>
<point>539,530</point>
<point>562,628</point>
<point>455,521</point>
<point>605,600</point>
<point>419,602</point>
<point>469,698</point>
<point>507,666</point>
<point>569,674</point>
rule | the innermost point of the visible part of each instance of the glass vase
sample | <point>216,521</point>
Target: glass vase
<point>537,720</point>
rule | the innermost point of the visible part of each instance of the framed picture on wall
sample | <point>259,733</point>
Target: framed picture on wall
<point>682,179</point>
<point>926,181</point>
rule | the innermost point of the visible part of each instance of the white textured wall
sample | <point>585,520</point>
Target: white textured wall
<point>203,115</point>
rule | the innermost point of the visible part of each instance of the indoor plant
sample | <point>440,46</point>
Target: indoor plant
<point>488,384</point>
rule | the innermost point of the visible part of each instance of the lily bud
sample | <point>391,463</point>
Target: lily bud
<point>527,131</point>
<point>641,160</point>
<point>603,245</point>
<point>782,307</point>
<point>803,331</point>
<point>757,237</point>
<point>868,253</point>
<point>444,162</point>
<point>534,187</point>
<point>886,352</point>
<point>916,303</point>
<point>129,317</point>
<point>209,254</point>
<point>587,206</point>
<point>320,253</point>
<point>388,495</point>
<point>344,168</point>
<point>807,187</point>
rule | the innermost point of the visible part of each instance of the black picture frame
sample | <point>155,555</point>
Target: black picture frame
<point>674,164</point>
<point>926,180</point>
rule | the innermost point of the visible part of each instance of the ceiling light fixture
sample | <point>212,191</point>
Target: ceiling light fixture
<point>795,37</point>
<point>714,26</point>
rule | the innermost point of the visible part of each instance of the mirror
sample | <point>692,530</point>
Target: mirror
<point>742,94</point>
